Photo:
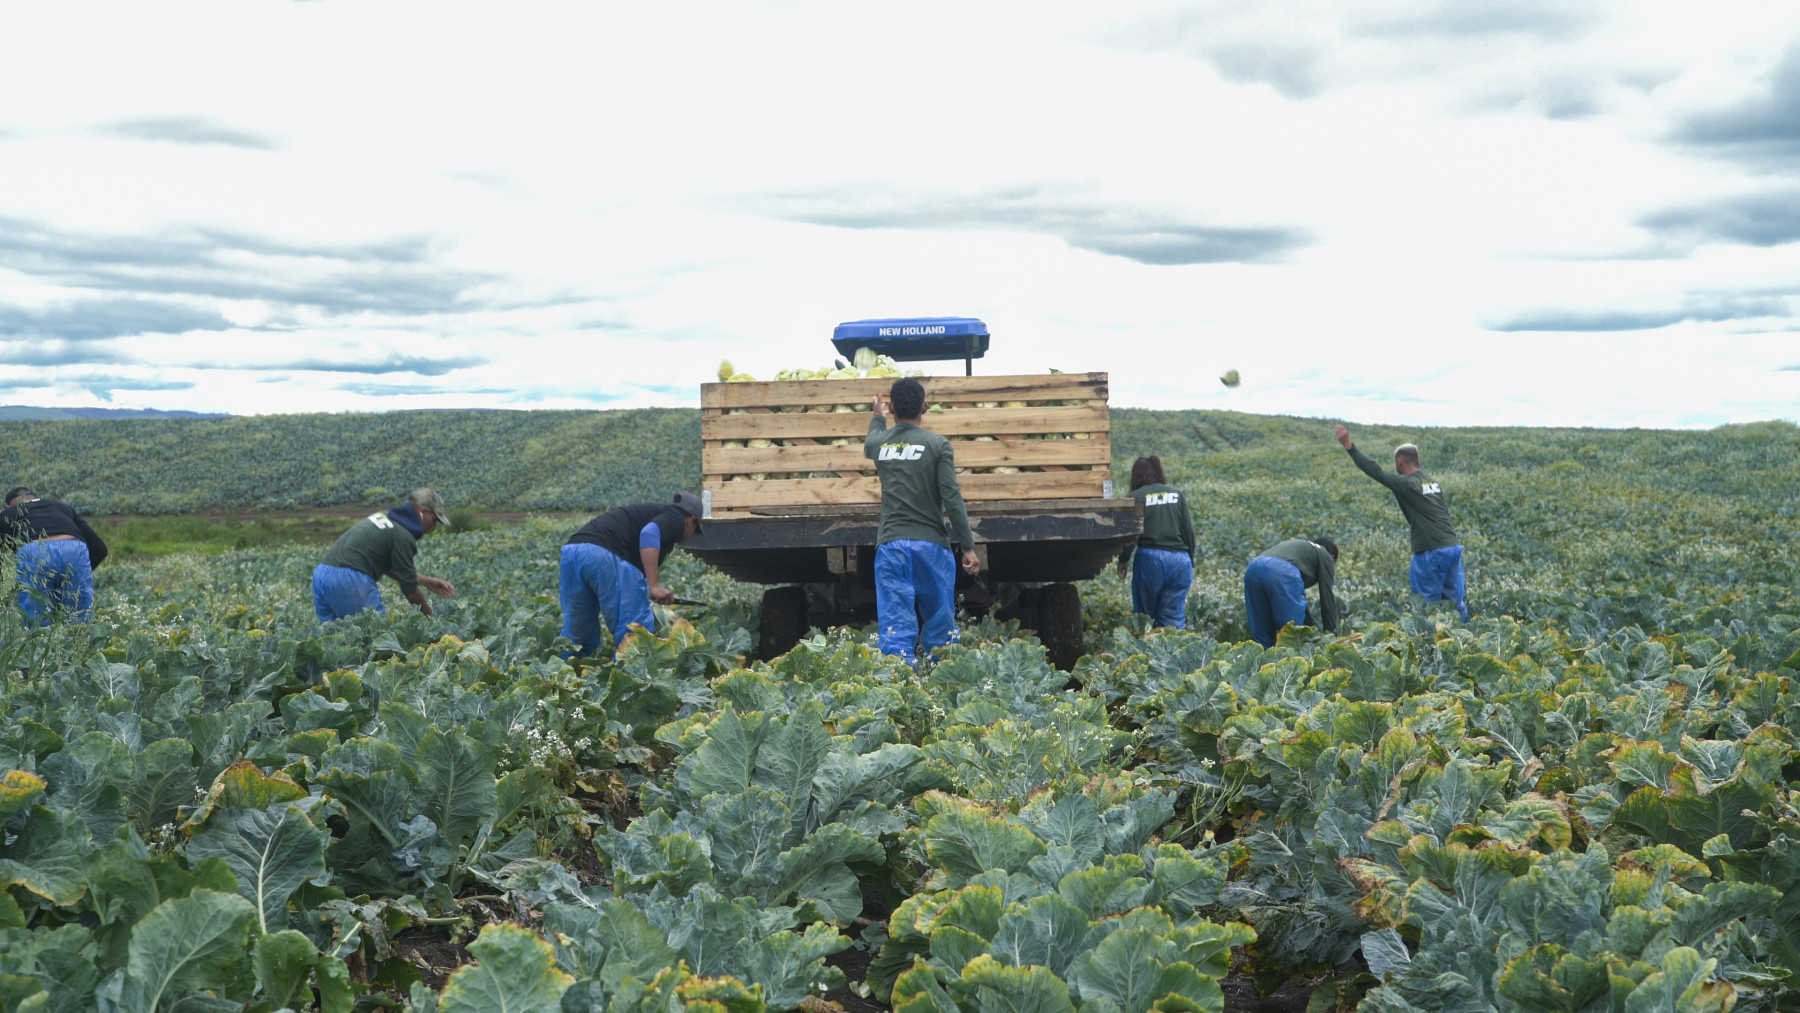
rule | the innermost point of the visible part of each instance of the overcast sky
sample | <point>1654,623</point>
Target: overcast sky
<point>1432,212</point>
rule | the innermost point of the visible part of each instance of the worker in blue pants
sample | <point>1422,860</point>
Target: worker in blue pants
<point>1164,552</point>
<point>915,578</point>
<point>1275,586</point>
<point>1437,575</point>
<point>56,551</point>
<point>915,571</point>
<point>385,543</point>
<point>612,568</point>
<point>1436,572</point>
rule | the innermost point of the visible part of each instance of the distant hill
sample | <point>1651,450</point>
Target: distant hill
<point>1252,479</point>
<point>20,413</point>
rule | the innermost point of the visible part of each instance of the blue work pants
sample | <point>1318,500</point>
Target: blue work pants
<point>914,579</point>
<point>55,581</point>
<point>597,582</point>
<point>1160,579</point>
<point>1274,596</point>
<point>1437,574</point>
<point>339,591</point>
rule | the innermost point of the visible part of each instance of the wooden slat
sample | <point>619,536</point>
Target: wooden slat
<point>972,454</point>
<point>859,392</point>
<point>977,508</point>
<point>959,422</point>
<point>728,496</point>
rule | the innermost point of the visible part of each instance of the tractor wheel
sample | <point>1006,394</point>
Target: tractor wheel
<point>783,621</point>
<point>1059,624</point>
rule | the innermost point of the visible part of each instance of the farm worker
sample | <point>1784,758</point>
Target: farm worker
<point>1437,561</point>
<point>1275,586</point>
<point>1165,551</point>
<point>915,571</point>
<point>381,544</point>
<point>57,551</point>
<point>612,567</point>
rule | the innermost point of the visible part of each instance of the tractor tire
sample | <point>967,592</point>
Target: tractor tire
<point>1059,624</point>
<point>782,622</point>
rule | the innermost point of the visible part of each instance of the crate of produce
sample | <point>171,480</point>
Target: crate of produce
<point>783,444</point>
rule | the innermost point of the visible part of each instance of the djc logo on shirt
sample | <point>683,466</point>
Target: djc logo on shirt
<point>901,452</point>
<point>1162,499</point>
<point>1431,489</point>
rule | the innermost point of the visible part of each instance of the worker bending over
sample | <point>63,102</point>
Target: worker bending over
<point>1437,561</point>
<point>57,551</point>
<point>1164,552</point>
<point>381,544</point>
<point>612,567</point>
<point>915,571</point>
<point>1275,586</point>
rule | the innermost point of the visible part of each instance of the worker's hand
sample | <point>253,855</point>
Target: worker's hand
<point>1343,436</point>
<point>1121,571</point>
<point>880,405</point>
<point>971,562</point>
<point>661,595</point>
<point>438,586</point>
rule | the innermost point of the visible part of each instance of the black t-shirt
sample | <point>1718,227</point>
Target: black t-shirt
<point>41,518</point>
<point>617,530</point>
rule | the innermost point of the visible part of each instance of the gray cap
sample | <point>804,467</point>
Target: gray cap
<point>426,500</point>
<point>689,504</point>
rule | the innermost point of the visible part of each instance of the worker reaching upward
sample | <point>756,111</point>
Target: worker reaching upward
<point>1437,557</point>
<point>915,571</point>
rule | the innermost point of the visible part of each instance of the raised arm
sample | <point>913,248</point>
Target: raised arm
<point>878,429</point>
<point>1369,467</point>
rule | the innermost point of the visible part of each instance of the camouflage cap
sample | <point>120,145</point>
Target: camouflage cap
<point>424,500</point>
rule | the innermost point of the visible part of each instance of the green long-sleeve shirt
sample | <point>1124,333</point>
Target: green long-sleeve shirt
<point>1167,522</point>
<point>1420,499</point>
<point>378,546</point>
<point>1317,568</point>
<point>917,470</point>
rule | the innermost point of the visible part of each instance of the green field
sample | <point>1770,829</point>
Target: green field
<point>1585,799</point>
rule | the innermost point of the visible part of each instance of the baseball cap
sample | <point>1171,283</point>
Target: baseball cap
<point>689,504</point>
<point>426,499</point>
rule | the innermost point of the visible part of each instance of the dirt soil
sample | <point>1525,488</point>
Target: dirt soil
<point>429,950</point>
<point>1241,995</point>
<point>855,965</point>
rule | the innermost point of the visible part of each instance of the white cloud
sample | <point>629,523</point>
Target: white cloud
<point>251,207</point>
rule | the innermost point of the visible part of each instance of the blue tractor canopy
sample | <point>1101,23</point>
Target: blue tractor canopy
<point>915,339</point>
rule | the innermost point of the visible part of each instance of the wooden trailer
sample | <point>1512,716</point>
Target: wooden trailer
<point>792,501</point>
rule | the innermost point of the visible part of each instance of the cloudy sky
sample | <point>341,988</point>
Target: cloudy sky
<point>1411,211</point>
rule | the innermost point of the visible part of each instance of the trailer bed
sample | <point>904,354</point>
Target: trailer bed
<point>1025,541</point>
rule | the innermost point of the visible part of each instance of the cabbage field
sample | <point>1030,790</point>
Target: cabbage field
<point>1585,799</point>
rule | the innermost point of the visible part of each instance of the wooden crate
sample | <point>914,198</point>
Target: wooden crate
<point>804,468</point>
